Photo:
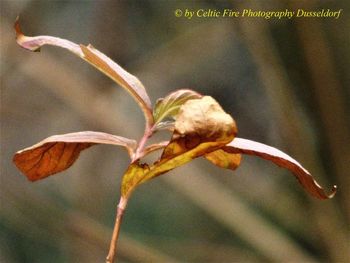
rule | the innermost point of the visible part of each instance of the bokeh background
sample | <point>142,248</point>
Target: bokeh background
<point>286,83</point>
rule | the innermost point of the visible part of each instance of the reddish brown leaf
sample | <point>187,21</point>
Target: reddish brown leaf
<point>97,59</point>
<point>239,145</point>
<point>59,152</point>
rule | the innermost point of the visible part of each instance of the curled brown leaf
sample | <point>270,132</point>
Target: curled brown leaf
<point>198,121</point>
<point>278,157</point>
<point>35,43</point>
<point>97,59</point>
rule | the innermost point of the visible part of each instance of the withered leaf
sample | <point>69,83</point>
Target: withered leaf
<point>169,106</point>
<point>201,127</point>
<point>200,120</point>
<point>59,152</point>
<point>97,59</point>
<point>244,146</point>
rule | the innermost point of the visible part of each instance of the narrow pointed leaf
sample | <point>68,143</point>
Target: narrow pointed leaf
<point>278,157</point>
<point>224,159</point>
<point>169,106</point>
<point>57,153</point>
<point>201,127</point>
<point>129,82</point>
<point>97,59</point>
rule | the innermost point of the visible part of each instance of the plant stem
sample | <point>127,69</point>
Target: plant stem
<point>124,200</point>
<point>113,245</point>
<point>138,153</point>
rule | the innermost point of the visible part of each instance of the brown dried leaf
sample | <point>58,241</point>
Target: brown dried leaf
<point>244,146</point>
<point>198,121</point>
<point>201,127</point>
<point>57,153</point>
<point>97,59</point>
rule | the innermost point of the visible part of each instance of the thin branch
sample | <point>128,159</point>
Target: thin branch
<point>141,145</point>
<point>113,245</point>
<point>123,200</point>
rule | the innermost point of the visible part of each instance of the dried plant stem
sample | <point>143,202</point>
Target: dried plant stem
<point>123,200</point>
<point>113,245</point>
<point>139,151</point>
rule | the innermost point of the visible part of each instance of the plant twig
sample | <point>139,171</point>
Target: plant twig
<point>113,245</point>
<point>123,200</point>
<point>139,151</point>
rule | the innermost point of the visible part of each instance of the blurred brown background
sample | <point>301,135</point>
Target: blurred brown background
<point>286,83</point>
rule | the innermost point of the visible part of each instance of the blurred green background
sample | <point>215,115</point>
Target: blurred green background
<point>286,83</point>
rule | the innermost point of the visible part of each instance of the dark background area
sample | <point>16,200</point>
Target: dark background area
<point>286,83</point>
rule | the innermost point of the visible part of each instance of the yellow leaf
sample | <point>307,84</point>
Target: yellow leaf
<point>224,159</point>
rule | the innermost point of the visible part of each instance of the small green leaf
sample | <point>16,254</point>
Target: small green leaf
<point>166,125</point>
<point>169,106</point>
